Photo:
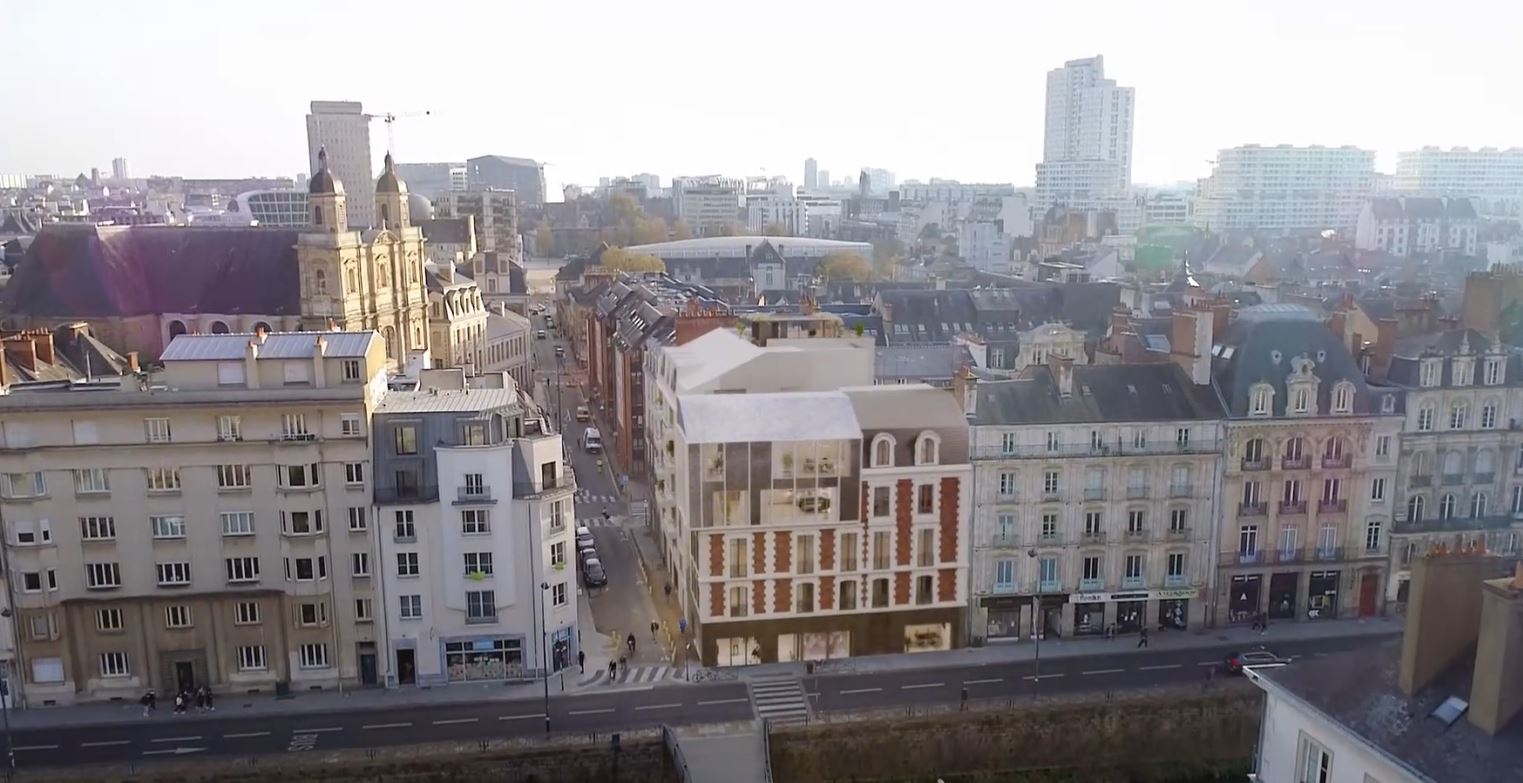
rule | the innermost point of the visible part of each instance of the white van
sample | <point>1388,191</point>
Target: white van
<point>592,440</point>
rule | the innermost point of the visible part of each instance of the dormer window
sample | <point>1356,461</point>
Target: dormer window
<point>1388,403</point>
<point>883,452</point>
<point>1431,372</point>
<point>1462,371</point>
<point>1493,372</point>
<point>1343,397</point>
<point>927,449</point>
<point>1301,400</point>
<point>1260,400</point>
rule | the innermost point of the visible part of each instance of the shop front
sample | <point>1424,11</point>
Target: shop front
<point>1282,595</point>
<point>1243,601</point>
<point>488,658</point>
<point>1004,613</point>
<point>1131,613</point>
<point>1089,618</point>
<point>1322,595</point>
<point>1174,608</point>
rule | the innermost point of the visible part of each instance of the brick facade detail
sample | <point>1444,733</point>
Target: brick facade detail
<point>951,488</point>
<point>782,552</point>
<point>902,588</point>
<point>827,594</point>
<point>759,597</point>
<point>946,585</point>
<point>903,492</point>
<point>716,555</point>
<point>827,550</point>
<point>782,595</point>
<point>758,553</point>
<point>716,599</point>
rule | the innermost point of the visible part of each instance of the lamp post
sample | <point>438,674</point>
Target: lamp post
<point>544,660</point>
<point>1036,626</point>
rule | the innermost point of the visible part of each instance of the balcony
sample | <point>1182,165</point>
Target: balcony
<point>1178,533</point>
<point>477,619</point>
<point>470,495</point>
<point>1136,493</point>
<point>296,437</point>
<point>1341,461</point>
<point>1050,495</point>
<point>1093,537</point>
<point>1176,580</point>
<point>997,451</point>
<point>1252,509</point>
<point>1295,463</point>
<point>1255,464</point>
<point>1292,507</point>
<point>1420,481</point>
<point>1483,478</point>
<point>1329,553</point>
<point>1091,585</point>
<point>1133,583</point>
<point>1047,539</point>
<point>1180,490</point>
<point>1284,555</point>
<point>1139,534</point>
<point>1456,525</point>
<point>1094,493</point>
<point>1048,586</point>
<point>1003,541</point>
<point>1250,558</point>
<point>1334,506</point>
<point>1453,479</point>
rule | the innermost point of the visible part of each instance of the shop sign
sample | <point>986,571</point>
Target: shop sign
<point>1171,594</point>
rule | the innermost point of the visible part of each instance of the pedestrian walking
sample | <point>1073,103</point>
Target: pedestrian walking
<point>1263,623</point>
<point>179,702</point>
<point>581,661</point>
<point>149,701</point>
<point>1256,622</point>
<point>200,698</point>
<point>623,664</point>
<point>210,705</point>
<point>1142,640</point>
<point>654,627</point>
<point>630,643</point>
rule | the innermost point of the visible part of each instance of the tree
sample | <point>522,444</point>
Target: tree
<point>681,230</point>
<point>544,240</point>
<point>731,229</point>
<point>845,266</point>
<point>624,208</point>
<point>648,231</point>
<point>931,231</point>
<point>625,261</point>
<point>776,230</point>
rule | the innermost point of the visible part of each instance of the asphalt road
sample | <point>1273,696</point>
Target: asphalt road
<point>165,736</point>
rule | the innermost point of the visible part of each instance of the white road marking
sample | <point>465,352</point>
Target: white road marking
<point>1160,667</point>
<point>591,712</point>
<point>104,743</point>
<point>327,730</point>
<point>246,735</point>
<point>723,701</point>
<point>521,717</point>
<point>1043,677</point>
<point>387,726</point>
<point>1209,663</point>
<point>174,751</point>
<point>1103,671</point>
<point>988,681</point>
<point>453,721</point>
<point>35,747</point>
<point>658,706</point>
<point>922,685</point>
<point>860,690</point>
<point>175,739</point>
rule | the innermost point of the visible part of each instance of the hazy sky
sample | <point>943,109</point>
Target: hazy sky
<point>604,87</point>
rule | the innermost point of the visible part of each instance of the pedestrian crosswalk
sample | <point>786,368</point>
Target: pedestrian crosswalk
<point>628,675</point>
<point>598,522</point>
<point>779,699</point>
<point>587,496</point>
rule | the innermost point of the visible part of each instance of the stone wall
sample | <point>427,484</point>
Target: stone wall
<point>1175,737</point>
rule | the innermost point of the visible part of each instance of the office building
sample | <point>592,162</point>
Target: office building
<point>1493,177</point>
<point>474,520</point>
<point>342,128</point>
<point>1285,189</point>
<point>879,181</point>
<point>280,208</point>
<point>120,170</point>
<point>214,529</point>
<point>524,177</point>
<point>432,179</point>
<point>811,173</point>
<point>709,205</point>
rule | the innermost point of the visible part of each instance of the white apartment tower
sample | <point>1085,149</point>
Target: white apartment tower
<point>1493,177</point>
<point>1285,189</point>
<point>344,129</point>
<point>1087,149</point>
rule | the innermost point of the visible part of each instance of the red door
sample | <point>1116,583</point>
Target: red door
<point>1369,590</point>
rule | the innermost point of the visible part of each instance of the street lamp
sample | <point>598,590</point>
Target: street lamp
<point>544,660</point>
<point>1036,626</point>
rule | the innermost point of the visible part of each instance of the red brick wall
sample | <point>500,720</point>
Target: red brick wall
<point>758,553</point>
<point>782,552</point>
<point>946,584</point>
<point>716,599</point>
<point>901,588</point>
<point>827,596</point>
<point>690,327</point>
<point>759,597</point>
<point>716,555</point>
<point>902,512</point>
<point>782,595</point>
<point>950,489</point>
<point>827,550</point>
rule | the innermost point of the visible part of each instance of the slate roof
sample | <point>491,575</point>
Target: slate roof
<point>1406,362</point>
<point>1259,346</point>
<point>93,272</point>
<point>77,354</point>
<point>921,362</point>
<point>936,316</point>
<point>279,345</point>
<point>18,223</point>
<point>1101,393</point>
<point>452,231</point>
<point>1422,208</point>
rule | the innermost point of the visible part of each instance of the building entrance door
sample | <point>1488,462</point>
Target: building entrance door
<point>1369,588</point>
<point>185,677</point>
<point>407,673</point>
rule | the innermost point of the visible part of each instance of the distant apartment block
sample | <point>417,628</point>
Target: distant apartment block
<point>1087,140</point>
<point>1285,189</point>
<point>525,177</point>
<point>709,204</point>
<point>1494,177</point>
<point>1414,225</point>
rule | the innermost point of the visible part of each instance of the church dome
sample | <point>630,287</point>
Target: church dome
<point>389,181</point>
<point>323,182</point>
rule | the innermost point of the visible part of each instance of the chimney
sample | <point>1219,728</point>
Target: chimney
<point>1443,613</point>
<point>1121,321</point>
<point>132,362</point>
<point>1063,370</point>
<point>1337,323</point>
<point>42,342</point>
<point>260,333</point>
<point>22,351</point>
<point>251,364</point>
<point>1496,685</point>
<point>1385,343</point>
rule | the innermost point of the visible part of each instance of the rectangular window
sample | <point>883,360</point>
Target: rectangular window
<point>1053,443</point>
<point>1004,575</point>
<point>350,426</point>
<point>352,371</point>
<point>1133,567</point>
<point>1091,565</point>
<point>114,664</point>
<point>1372,536</point>
<point>1179,520</point>
<point>108,620</point>
<point>246,613</point>
<point>1383,446</point>
<point>406,439</point>
<point>359,520</point>
<point>1377,489</point>
<point>313,656</point>
<point>881,553</point>
<point>101,576</point>
<point>1048,571</point>
<point>177,616</point>
<point>480,606</point>
<point>312,613</point>
<point>880,501</point>
<point>558,594</point>
<point>167,526</point>
<point>478,563</point>
<point>354,473</point>
<point>362,610</point>
<point>23,485</point>
<point>1314,763</point>
<point>173,574</point>
<point>251,658</point>
<point>230,374</point>
<point>298,476</point>
<point>407,564</point>
<point>925,499</point>
<point>739,604</point>
<point>925,548</point>
<point>229,428</point>
<point>91,480</point>
<point>301,523</point>
<point>1176,563</point>
<point>924,590</point>
<point>163,479</point>
<point>1007,485</point>
<point>234,477</point>
<point>404,528</point>
<point>359,563</point>
<point>411,607</point>
<point>557,554</point>
<point>846,601</point>
<point>475,521</point>
<point>880,593</point>
<point>1248,540</point>
<point>1007,442</point>
<point>1136,521</point>
<point>156,430</point>
<point>41,626</point>
<point>97,528</point>
<point>242,569</point>
<point>848,552</point>
<point>293,426</point>
<point>1050,482</point>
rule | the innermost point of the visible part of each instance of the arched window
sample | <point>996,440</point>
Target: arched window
<point>320,282</point>
<point>1293,448</point>
<point>1415,508</point>
<point>1478,505</point>
<point>1454,464</point>
<point>389,334</point>
<point>317,216</point>
<point>1333,450</point>
<point>385,216</point>
<point>218,327</point>
<point>1343,397</point>
<point>176,328</point>
<point>927,449</point>
<point>351,279</point>
<point>1253,450</point>
<point>1458,414</point>
<point>262,325</point>
<point>1446,507</point>
<point>1262,399</point>
<point>383,275</point>
<point>883,451</point>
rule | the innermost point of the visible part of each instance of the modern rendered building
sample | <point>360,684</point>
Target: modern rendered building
<point>1285,189</point>
<point>1087,140</point>
<point>205,526</point>
<point>708,204</point>
<point>343,129</point>
<point>474,520</point>
<point>1493,177</point>
<point>287,208</point>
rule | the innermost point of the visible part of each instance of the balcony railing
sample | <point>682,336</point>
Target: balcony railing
<point>1176,580</point>
<point>474,494</point>
<point>1051,494</point>
<point>1003,541</point>
<point>1047,539</point>
<point>1420,481</point>
<point>1329,553</point>
<point>1133,583</point>
<point>1093,537</point>
<point>1252,509</point>
<point>1453,479</point>
<point>1255,464</point>
<point>1180,490</point>
<point>1284,555</point>
<point>1137,534</point>
<point>1295,463</point>
<point>1248,558</point>
<point>1134,493</point>
<point>1292,507</point>
<point>1094,493</point>
<point>1334,506</point>
<point>1048,585</point>
<point>1091,585</point>
<point>1041,450</point>
<point>1178,533</point>
<point>1341,461</point>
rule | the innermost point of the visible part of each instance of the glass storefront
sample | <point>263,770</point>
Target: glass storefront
<point>1089,619</point>
<point>1004,623</point>
<point>1174,615</point>
<point>484,659</point>
<point>1130,616</point>
<point>1243,602</point>
<point>1282,596</point>
<point>1322,595</point>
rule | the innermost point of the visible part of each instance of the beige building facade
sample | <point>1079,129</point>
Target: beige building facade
<point>210,525</point>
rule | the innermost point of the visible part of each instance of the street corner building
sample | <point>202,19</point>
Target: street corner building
<point>803,513</point>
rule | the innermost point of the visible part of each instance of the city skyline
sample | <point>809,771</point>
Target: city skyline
<point>1196,97</point>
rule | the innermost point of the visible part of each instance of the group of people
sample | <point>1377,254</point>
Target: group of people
<point>201,697</point>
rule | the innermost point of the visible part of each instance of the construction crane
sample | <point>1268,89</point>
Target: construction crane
<point>390,118</point>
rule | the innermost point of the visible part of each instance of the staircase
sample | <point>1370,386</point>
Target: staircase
<point>780,700</point>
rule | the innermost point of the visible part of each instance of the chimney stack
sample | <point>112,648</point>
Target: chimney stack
<point>1496,685</point>
<point>132,362</point>
<point>1385,343</point>
<point>22,351</point>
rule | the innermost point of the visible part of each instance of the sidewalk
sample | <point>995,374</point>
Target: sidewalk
<point>665,604</point>
<point>1008,652</point>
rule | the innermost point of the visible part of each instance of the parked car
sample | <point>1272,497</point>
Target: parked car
<point>560,350</point>
<point>582,414</point>
<point>583,554</point>
<point>1236,662</point>
<point>593,574</point>
<point>583,536</point>
<point>539,335</point>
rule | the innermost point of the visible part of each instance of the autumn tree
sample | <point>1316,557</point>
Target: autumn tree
<point>648,230</point>
<point>681,230</point>
<point>544,240</point>
<point>845,266</point>
<point>624,261</point>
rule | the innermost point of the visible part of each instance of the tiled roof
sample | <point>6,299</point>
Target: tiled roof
<point>280,345</point>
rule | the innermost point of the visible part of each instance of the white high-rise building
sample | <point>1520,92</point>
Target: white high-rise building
<point>811,173</point>
<point>344,129</point>
<point>1493,177</point>
<point>1285,189</point>
<point>1087,146</point>
<point>119,169</point>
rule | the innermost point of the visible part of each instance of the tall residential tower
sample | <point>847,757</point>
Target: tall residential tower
<point>344,129</point>
<point>1087,145</point>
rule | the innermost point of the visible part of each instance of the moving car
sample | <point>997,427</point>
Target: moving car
<point>560,350</point>
<point>1236,662</point>
<point>592,440</point>
<point>582,414</point>
<point>540,335</point>
<point>593,574</point>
